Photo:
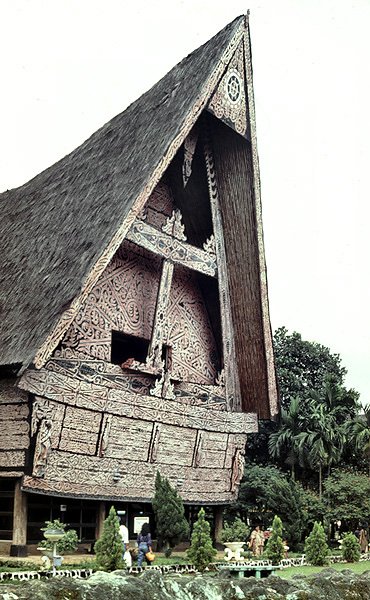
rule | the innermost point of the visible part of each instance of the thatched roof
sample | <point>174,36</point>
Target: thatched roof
<point>54,228</point>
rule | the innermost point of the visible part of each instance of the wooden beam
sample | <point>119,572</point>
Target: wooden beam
<point>19,547</point>
<point>178,251</point>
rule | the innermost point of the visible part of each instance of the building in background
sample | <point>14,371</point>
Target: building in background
<point>134,330</point>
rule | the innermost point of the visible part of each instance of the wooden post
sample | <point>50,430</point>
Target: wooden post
<point>19,544</point>
<point>100,520</point>
<point>218,520</point>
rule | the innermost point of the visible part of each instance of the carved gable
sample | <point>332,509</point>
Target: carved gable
<point>229,101</point>
<point>127,299</point>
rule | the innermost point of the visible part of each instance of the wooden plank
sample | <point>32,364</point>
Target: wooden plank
<point>12,458</point>
<point>13,412</point>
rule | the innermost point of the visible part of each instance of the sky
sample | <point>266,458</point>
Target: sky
<point>68,66</point>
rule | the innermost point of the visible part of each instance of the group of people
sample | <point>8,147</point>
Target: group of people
<point>144,544</point>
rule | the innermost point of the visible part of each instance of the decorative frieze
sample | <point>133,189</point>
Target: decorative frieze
<point>68,473</point>
<point>148,408</point>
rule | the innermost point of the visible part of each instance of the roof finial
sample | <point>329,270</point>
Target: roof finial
<point>246,18</point>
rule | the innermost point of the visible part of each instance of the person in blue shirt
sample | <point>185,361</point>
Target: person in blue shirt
<point>144,542</point>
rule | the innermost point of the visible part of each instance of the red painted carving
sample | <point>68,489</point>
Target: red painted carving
<point>124,300</point>
<point>189,332</point>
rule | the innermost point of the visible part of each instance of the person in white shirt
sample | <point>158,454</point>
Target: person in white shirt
<point>125,542</point>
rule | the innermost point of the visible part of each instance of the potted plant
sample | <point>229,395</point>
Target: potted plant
<point>234,536</point>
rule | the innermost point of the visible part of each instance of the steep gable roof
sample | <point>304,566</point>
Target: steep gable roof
<point>65,224</point>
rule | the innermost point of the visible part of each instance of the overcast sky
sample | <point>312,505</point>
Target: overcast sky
<point>68,66</point>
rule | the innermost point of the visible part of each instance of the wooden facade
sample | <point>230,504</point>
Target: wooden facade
<point>151,349</point>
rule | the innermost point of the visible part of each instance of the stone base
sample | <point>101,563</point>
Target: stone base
<point>18,550</point>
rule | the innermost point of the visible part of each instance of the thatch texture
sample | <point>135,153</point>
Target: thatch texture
<point>55,227</point>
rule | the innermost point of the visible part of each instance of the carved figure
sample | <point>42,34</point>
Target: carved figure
<point>43,448</point>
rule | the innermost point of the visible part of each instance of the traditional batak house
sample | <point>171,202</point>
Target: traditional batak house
<point>135,331</point>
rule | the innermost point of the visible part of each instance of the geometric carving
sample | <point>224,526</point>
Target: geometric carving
<point>228,102</point>
<point>73,364</point>
<point>123,300</point>
<point>166,246</point>
<point>67,390</point>
<point>154,357</point>
<point>194,356</point>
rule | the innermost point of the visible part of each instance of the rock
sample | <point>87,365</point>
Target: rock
<point>152,585</point>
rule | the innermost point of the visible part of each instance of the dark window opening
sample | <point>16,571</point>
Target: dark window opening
<point>6,508</point>
<point>126,347</point>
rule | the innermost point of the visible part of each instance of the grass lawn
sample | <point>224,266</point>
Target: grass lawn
<point>358,567</point>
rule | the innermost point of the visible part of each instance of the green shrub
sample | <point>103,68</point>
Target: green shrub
<point>351,550</point>
<point>237,531</point>
<point>316,547</point>
<point>68,543</point>
<point>109,547</point>
<point>201,551</point>
<point>275,547</point>
<point>172,527</point>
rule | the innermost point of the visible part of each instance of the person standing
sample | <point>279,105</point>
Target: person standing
<point>363,539</point>
<point>144,542</point>
<point>125,544</point>
<point>257,541</point>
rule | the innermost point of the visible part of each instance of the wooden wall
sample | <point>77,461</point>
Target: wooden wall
<point>234,174</point>
<point>14,428</point>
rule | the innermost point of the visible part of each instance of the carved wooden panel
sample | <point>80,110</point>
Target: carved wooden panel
<point>176,446</point>
<point>166,246</point>
<point>72,364</point>
<point>128,439</point>
<point>68,473</point>
<point>228,102</point>
<point>213,450</point>
<point>93,397</point>
<point>211,396</point>
<point>80,431</point>
<point>190,335</point>
<point>123,299</point>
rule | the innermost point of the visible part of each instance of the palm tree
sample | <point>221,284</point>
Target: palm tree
<point>323,442</point>
<point>358,434</point>
<point>283,444</point>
